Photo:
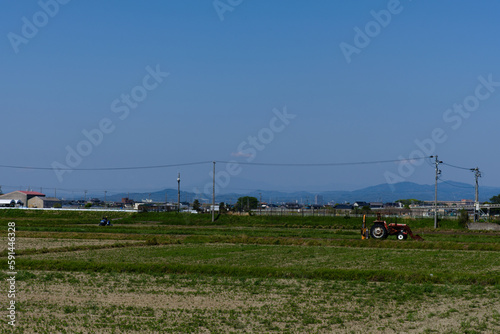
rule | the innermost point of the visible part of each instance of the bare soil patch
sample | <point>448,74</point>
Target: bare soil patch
<point>128,303</point>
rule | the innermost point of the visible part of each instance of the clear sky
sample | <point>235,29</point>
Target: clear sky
<point>145,83</point>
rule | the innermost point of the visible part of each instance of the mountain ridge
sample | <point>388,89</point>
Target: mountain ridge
<point>447,191</point>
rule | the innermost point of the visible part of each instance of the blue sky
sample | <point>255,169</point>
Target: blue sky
<point>229,78</point>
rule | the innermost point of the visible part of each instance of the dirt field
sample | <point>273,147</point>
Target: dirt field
<point>54,302</point>
<point>239,278</point>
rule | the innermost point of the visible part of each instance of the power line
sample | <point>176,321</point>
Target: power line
<point>318,164</point>
<point>106,168</point>
<point>458,167</point>
<point>454,185</point>
<point>210,162</point>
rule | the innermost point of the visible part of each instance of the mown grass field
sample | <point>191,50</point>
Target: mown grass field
<point>176,273</point>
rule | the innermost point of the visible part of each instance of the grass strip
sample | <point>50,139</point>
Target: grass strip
<point>32,251</point>
<point>324,219</point>
<point>154,239</point>
<point>79,235</point>
<point>490,278</point>
<point>380,244</point>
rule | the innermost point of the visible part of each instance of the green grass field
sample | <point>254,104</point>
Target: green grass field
<point>167,272</point>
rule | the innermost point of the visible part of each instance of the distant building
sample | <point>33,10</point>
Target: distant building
<point>318,200</point>
<point>43,202</point>
<point>393,205</point>
<point>343,207</point>
<point>215,207</point>
<point>127,201</point>
<point>22,196</point>
<point>450,203</point>
<point>292,205</point>
<point>376,205</point>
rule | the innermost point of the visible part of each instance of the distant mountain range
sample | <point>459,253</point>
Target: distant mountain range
<point>449,191</point>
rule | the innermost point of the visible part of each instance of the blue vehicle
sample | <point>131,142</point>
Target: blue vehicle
<point>105,222</point>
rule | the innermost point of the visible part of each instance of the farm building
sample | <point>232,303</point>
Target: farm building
<point>43,202</point>
<point>22,196</point>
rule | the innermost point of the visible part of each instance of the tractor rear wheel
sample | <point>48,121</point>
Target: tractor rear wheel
<point>378,231</point>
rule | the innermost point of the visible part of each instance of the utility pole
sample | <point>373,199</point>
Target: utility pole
<point>213,195</point>
<point>85,196</point>
<point>105,192</point>
<point>179,192</point>
<point>260,204</point>
<point>438,172</point>
<point>477,175</point>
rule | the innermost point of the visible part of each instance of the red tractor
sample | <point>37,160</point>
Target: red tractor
<point>381,230</point>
